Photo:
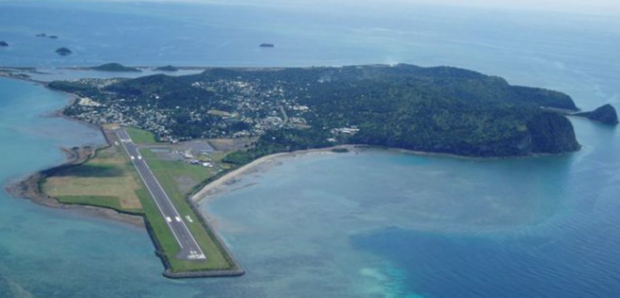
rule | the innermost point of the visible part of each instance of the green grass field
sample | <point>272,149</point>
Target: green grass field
<point>98,201</point>
<point>140,136</point>
<point>106,180</point>
<point>166,172</point>
<point>110,180</point>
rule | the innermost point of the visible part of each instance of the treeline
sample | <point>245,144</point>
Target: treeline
<point>441,109</point>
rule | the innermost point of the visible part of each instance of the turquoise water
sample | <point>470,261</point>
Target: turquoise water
<point>395,224</point>
<point>375,224</point>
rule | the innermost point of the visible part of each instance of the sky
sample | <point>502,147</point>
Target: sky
<point>596,7</point>
<point>606,7</point>
<point>573,6</point>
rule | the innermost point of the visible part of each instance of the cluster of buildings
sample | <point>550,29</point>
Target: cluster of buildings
<point>243,109</point>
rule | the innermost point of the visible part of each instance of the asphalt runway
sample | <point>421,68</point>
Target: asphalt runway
<point>190,250</point>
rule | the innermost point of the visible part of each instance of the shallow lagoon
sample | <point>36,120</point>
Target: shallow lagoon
<point>399,224</point>
<point>377,224</point>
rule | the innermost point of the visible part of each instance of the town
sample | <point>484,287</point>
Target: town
<point>247,110</point>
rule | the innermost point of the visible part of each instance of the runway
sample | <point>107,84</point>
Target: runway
<point>190,250</point>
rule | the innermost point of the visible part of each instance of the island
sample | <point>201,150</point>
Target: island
<point>3,43</point>
<point>115,67</point>
<point>43,35</point>
<point>173,140</point>
<point>169,68</point>
<point>605,114</point>
<point>440,109</point>
<point>63,51</point>
<point>267,45</point>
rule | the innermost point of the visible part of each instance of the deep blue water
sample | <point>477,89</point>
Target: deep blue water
<point>374,224</point>
<point>577,54</point>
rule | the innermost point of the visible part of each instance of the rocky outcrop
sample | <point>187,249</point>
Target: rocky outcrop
<point>605,114</point>
<point>63,51</point>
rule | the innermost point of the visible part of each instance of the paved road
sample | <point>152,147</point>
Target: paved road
<point>190,250</point>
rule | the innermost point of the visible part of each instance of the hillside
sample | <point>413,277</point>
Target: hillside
<point>440,109</point>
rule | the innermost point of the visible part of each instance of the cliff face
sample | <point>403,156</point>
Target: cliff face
<point>605,114</point>
<point>551,133</point>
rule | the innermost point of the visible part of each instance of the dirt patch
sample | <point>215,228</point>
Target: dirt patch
<point>185,183</point>
<point>231,144</point>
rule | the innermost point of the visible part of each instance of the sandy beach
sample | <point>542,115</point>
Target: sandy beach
<point>226,182</point>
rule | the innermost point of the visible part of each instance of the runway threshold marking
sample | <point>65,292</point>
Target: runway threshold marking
<point>152,194</point>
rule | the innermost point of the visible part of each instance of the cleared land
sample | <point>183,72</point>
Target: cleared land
<point>140,136</point>
<point>109,180</point>
<point>106,180</point>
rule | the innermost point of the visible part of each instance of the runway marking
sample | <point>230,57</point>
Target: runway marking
<point>153,196</point>
<point>195,255</point>
<point>168,219</point>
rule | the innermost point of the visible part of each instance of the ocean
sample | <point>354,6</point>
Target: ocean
<point>373,224</point>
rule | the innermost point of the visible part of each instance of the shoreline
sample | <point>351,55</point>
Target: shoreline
<point>222,184</point>
<point>212,188</point>
<point>226,183</point>
<point>29,189</point>
<point>27,186</point>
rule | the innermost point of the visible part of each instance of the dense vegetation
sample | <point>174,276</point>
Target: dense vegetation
<point>439,109</point>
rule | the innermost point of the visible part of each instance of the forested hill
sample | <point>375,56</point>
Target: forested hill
<point>439,109</point>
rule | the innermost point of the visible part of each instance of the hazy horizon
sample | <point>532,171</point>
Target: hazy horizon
<point>596,7</point>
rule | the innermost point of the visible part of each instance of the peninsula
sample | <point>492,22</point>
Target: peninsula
<point>169,137</point>
<point>439,109</point>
